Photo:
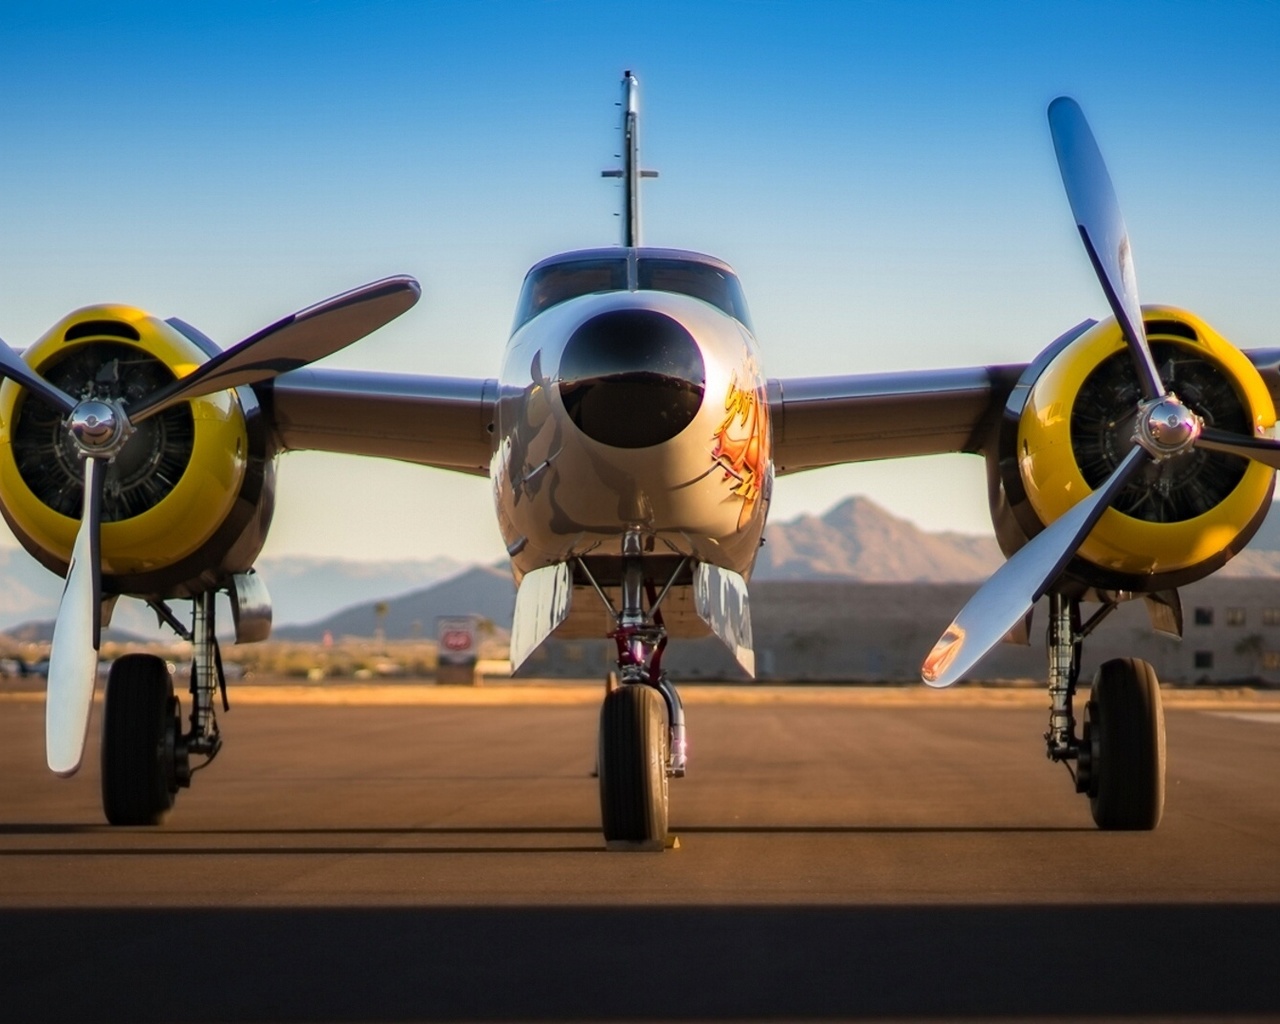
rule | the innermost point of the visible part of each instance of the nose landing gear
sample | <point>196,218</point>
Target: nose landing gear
<point>642,741</point>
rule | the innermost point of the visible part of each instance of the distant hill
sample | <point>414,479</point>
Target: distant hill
<point>859,540</point>
<point>481,590</point>
<point>41,632</point>
<point>302,589</point>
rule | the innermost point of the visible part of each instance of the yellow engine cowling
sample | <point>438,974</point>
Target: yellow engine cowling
<point>1181,519</point>
<point>176,485</point>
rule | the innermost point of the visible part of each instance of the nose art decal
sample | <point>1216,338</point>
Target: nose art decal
<point>740,446</point>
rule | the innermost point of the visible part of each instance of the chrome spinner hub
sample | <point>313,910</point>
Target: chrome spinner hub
<point>1166,427</point>
<point>100,428</point>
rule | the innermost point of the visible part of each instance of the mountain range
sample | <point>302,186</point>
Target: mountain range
<point>302,589</point>
<point>855,540</point>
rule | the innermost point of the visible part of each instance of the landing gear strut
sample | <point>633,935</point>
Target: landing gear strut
<point>1119,757</point>
<point>642,726</point>
<point>146,757</point>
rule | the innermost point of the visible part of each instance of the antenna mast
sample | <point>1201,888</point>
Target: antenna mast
<point>630,172</point>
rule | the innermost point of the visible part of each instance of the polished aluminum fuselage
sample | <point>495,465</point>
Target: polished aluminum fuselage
<point>704,493</point>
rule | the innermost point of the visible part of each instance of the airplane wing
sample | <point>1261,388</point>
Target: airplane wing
<point>826,421</point>
<point>445,422</point>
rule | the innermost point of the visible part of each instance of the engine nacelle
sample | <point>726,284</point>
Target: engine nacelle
<point>1070,422</point>
<point>187,499</point>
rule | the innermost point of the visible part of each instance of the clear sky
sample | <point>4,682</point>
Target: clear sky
<point>880,174</point>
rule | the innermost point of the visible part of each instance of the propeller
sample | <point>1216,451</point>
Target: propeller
<point>102,427</point>
<point>1101,225</point>
<point>73,653</point>
<point>287,344</point>
<point>1004,599</point>
<point>1164,427</point>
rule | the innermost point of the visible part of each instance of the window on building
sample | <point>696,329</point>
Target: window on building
<point>1271,660</point>
<point>1204,659</point>
<point>1235,616</point>
<point>1204,617</point>
<point>1271,616</point>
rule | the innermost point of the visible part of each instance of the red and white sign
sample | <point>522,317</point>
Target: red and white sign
<point>457,639</point>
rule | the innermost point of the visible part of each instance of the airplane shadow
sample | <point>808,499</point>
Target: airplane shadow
<point>615,963</point>
<point>72,828</point>
<point>157,842</point>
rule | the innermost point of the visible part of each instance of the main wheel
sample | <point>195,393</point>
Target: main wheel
<point>139,733</point>
<point>633,767</point>
<point>1124,734</point>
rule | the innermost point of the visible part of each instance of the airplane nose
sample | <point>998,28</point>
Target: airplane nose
<point>631,378</point>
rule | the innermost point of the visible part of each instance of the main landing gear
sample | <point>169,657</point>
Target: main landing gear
<point>146,757</point>
<point>1120,754</point>
<point>642,728</point>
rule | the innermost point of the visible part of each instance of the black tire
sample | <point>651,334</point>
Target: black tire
<point>141,713</point>
<point>1124,730</point>
<point>633,766</point>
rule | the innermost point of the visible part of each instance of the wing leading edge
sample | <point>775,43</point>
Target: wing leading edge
<point>827,421</point>
<point>445,422</point>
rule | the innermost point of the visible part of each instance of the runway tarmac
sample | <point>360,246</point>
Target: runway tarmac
<point>846,854</point>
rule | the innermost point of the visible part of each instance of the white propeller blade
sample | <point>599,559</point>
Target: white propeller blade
<point>1005,598</point>
<point>73,656</point>
<point>295,341</point>
<point>1097,212</point>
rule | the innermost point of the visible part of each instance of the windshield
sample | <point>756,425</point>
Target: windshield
<point>559,282</point>
<point>700,280</point>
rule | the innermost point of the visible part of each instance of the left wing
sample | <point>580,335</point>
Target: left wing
<point>445,422</point>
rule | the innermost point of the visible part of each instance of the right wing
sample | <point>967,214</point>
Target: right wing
<point>827,421</point>
<point>445,422</point>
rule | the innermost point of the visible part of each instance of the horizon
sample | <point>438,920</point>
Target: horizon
<point>881,176</point>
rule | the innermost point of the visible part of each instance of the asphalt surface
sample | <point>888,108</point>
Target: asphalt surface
<point>865,855</point>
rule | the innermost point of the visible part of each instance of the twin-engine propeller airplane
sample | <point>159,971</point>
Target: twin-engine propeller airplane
<point>631,441</point>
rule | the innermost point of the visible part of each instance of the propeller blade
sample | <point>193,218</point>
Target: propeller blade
<point>12,366</point>
<point>1097,212</point>
<point>1006,597</point>
<point>1260,449</point>
<point>287,344</point>
<point>73,656</point>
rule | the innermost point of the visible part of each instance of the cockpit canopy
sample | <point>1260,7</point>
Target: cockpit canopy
<point>589,271</point>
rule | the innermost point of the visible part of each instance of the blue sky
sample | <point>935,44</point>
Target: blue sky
<point>879,173</point>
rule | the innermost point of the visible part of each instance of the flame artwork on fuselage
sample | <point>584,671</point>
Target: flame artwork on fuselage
<point>739,448</point>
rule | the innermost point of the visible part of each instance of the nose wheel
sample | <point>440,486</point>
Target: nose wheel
<point>634,752</point>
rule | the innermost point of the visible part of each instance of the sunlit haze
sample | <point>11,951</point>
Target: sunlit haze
<point>880,174</point>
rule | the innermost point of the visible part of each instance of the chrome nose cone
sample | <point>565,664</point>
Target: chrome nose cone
<point>96,428</point>
<point>631,378</point>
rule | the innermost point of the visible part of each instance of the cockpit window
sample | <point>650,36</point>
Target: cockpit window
<point>701,280</point>
<point>559,282</point>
